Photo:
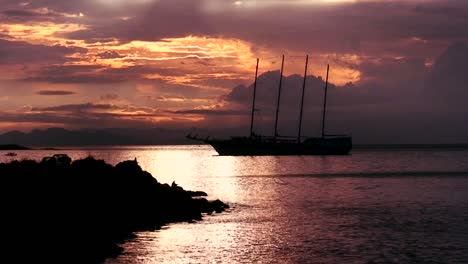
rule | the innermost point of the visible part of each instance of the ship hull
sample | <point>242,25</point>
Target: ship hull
<point>310,146</point>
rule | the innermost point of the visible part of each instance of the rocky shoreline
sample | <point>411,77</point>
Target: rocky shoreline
<point>57,210</point>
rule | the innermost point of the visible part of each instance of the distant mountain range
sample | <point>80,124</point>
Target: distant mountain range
<point>12,147</point>
<point>60,137</point>
<point>94,137</point>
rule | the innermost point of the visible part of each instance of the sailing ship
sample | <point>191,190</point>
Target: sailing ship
<point>257,145</point>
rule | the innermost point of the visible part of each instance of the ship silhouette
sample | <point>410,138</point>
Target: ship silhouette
<point>258,145</point>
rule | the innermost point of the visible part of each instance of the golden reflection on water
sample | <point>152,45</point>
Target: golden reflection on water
<point>197,168</point>
<point>217,234</point>
<point>171,165</point>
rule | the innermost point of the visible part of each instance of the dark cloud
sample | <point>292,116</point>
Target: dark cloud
<point>340,28</point>
<point>76,108</point>
<point>19,52</point>
<point>441,8</point>
<point>22,13</point>
<point>104,109</point>
<point>34,13</point>
<point>109,97</point>
<point>55,92</point>
<point>76,120</point>
<point>109,55</point>
<point>210,112</point>
<point>448,79</point>
<point>87,115</point>
<point>395,79</point>
<point>98,74</point>
<point>402,110</point>
<point>85,74</point>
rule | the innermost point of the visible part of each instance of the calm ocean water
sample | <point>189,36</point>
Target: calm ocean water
<point>384,206</point>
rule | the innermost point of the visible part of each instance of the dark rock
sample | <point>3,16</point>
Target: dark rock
<point>78,212</point>
<point>61,160</point>
<point>197,193</point>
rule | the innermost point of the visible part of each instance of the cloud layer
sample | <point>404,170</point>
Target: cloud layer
<point>184,63</point>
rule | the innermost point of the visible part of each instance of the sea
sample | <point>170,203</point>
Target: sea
<point>373,206</point>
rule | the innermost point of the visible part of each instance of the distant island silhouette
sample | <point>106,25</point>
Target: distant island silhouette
<point>60,138</point>
<point>412,146</point>
<point>57,210</point>
<point>13,147</point>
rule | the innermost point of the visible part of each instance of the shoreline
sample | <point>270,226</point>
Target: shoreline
<point>80,211</point>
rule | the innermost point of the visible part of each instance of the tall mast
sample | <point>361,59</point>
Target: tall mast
<point>325,102</point>
<point>302,101</point>
<point>253,103</point>
<point>279,97</point>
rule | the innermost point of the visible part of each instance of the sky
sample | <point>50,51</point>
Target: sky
<point>397,67</point>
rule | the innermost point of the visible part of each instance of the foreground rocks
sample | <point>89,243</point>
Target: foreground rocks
<point>78,212</point>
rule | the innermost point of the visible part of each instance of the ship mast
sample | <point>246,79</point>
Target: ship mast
<point>253,103</point>
<point>302,100</point>
<point>325,102</point>
<point>279,97</point>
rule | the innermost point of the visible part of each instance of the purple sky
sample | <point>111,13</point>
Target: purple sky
<point>399,68</point>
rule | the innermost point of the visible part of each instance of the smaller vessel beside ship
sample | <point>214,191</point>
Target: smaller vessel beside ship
<point>258,145</point>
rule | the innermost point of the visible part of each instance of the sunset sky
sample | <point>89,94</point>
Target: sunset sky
<point>190,63</point>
